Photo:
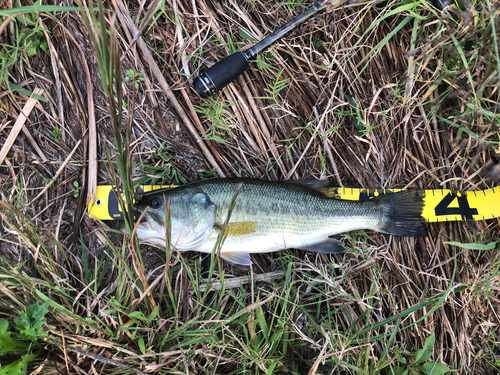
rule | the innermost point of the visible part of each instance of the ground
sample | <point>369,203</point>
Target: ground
<point>383,94</point>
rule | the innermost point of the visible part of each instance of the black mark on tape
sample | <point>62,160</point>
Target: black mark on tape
<point>463,209</point>
<point>366,194</point>
<point>113,208</point>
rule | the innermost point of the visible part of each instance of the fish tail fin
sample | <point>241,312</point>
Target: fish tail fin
<point>402,215</point>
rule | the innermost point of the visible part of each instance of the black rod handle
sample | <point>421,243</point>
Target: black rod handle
<point>220,75</point>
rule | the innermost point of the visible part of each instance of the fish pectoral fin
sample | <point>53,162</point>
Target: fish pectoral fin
<point>241,228</point>
<point>241,258</point>
<point>329,246</point>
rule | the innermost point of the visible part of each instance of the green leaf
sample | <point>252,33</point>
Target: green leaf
<point>7,344</point>
<point>35,8</point>
<point>153,314</point>
<point>434,368</point>
<point>16,367</point>
<point>261,320</point>
<point>398,371</point>
<point>31,322</point>
<point>475,246</point>
<point>21,90</point>
<point>142,346</point>
<point>317,43</point>
<point>430,341</point>
<point>425,353</point>
<point>245,35</point>
<point>30,21</point>
<point>44,46</point>
<point>31,50</point>
<point>273,365</point>
<point>422,355</point>
<point>138,315</point>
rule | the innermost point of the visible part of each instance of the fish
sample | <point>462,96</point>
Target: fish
<point>268,216</point>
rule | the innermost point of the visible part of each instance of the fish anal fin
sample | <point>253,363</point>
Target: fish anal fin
<point>241,258</point>
<point>241,228</point>
<point>328,246</point>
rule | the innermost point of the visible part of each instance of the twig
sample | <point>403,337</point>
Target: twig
<point>11,169</point>
<point>33,143</point>
<point>237,281</point>
<point>18,125</point>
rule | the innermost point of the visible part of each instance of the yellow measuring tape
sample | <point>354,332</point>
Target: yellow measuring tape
<point>439,205</point>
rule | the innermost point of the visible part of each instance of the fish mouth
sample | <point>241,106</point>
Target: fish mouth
<point>137,214</point>
<point>150,229</point>
<point>149,220</point>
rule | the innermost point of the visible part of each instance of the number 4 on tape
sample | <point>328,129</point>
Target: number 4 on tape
<point>450,205</point>
<point>463,209</point>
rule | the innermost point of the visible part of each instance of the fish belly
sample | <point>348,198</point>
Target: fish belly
<point>281,234</point>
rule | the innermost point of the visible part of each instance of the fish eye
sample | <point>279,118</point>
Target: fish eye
<point>155,203</point>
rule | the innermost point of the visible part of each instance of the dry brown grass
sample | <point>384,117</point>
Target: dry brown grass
<point>357,109</point>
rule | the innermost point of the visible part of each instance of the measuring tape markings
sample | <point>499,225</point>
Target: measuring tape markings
<point>439,205</point>
<point>106,206</point>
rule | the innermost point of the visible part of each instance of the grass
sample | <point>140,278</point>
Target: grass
<point>393,94</point>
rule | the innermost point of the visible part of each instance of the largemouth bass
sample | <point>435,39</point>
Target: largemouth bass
<point>269,216</point>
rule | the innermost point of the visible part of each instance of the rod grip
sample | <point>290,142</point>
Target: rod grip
<point>220,75</point>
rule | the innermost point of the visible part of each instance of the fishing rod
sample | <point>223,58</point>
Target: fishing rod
<point>228,69</point>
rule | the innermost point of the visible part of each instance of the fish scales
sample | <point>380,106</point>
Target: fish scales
<point>287,214</point>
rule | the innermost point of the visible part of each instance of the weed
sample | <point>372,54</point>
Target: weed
<point>160,174</point>
<point>32,38</point>
<point>206,175</point>
<point>135,77</point>
<point>358,118</point>
<point>419,362</point>
<point>263,64</point>
<point>30,324</point>
<point>220,128</point>
<point>29,327</point>
<point>77,189</point>
<point>56,133</point>
<point>29,39</point>
<point>274,89</point>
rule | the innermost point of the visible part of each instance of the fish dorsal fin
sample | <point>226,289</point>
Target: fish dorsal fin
<point>241,228</point>
<point>329,246</point>
<point>241,258</point>
<point>321,186</point>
